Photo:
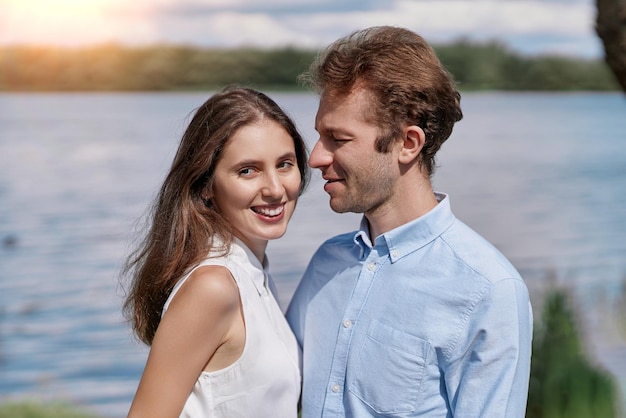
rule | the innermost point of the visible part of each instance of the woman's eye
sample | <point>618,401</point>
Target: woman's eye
<point>246,171</point>
<point>286,164</point>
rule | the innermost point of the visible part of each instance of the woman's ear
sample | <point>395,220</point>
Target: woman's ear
<point>412,143</point>
<point>208,202</point>
<point>206,194</point>
<point>207,188</point>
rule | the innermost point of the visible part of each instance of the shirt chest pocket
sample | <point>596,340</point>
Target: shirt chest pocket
<point>388,369</point>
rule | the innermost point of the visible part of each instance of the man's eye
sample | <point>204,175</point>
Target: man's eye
<point>336,139</point>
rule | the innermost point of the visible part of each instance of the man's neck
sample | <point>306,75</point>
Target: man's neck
<point>404,208</point>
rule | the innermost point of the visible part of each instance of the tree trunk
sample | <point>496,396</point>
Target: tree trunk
<point>611,28</point>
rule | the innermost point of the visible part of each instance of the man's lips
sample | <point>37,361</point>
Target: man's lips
<point>332,184</point>
<point>332,179</point>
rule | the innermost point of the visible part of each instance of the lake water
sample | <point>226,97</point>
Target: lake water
<point>542,176</point>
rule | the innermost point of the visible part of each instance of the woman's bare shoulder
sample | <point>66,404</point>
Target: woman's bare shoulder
<point>210,287</point>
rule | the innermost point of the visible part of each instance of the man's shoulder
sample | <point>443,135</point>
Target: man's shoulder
<point>342,240</point>
<point>477,253</point>
<point>338,245</point>
<point>335,253</point>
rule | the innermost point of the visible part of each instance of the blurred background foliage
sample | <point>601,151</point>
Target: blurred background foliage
<point>113,67</point>
<point>35,409</point>
<point>491,66</point>
<point>564,383</point>
<point>117,68</point>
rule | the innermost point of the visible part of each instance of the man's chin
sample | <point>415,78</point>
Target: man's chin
<point>339,206</point>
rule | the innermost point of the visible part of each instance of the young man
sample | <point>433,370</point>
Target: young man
<point>414,314</point>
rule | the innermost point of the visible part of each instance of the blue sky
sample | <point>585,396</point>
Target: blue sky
<point>528,26</point>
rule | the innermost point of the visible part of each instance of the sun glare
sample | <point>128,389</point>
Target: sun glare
<point>56,22</point>
<point>53,10</point>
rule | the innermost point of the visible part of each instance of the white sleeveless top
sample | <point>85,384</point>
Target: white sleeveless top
<point>265,381</point>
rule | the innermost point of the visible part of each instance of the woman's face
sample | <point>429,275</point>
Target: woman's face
<point>257,183</point>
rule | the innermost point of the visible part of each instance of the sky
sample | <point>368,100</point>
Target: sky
<point>530,27</point>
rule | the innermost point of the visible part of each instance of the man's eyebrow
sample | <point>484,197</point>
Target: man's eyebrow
<point>333,129</point>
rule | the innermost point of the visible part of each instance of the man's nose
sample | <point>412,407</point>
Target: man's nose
<point>320,155</point>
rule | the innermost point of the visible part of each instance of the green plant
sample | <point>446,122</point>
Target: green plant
<point>563,382</point>
<point>35,409</point>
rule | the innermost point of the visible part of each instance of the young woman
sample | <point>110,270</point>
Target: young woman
<point>201,296</point>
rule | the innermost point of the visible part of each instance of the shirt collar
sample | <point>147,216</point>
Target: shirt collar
<point>411,236</point>
<point>259,274</point>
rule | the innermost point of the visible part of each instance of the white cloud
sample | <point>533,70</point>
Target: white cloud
<point>493,16</point>
<point>534,26</point>
<point>228,29</point>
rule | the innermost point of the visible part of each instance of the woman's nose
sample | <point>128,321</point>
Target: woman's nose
<point>273,186</point>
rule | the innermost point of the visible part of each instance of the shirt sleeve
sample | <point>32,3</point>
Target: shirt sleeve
<point>489,367</point>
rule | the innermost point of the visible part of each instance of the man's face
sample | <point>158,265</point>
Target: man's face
<point>358,178</point>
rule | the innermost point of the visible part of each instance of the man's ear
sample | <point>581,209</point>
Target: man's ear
<point>412,143</point>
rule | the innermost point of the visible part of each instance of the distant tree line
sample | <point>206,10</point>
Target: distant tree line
<point>113,67</point>
<point>491,66</point>
<point>161,67</point>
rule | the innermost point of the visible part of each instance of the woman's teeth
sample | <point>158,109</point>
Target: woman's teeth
<point>269,211</point>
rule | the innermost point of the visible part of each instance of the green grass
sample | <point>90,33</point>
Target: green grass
<point>36,409</point>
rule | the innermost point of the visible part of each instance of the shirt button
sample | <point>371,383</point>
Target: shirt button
<point>335,388</point>
<point>371,267</point>
<point>394,253</point>
<point>347,323</point>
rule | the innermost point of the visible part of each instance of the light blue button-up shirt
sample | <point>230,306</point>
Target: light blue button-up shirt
<point>430,321</point>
